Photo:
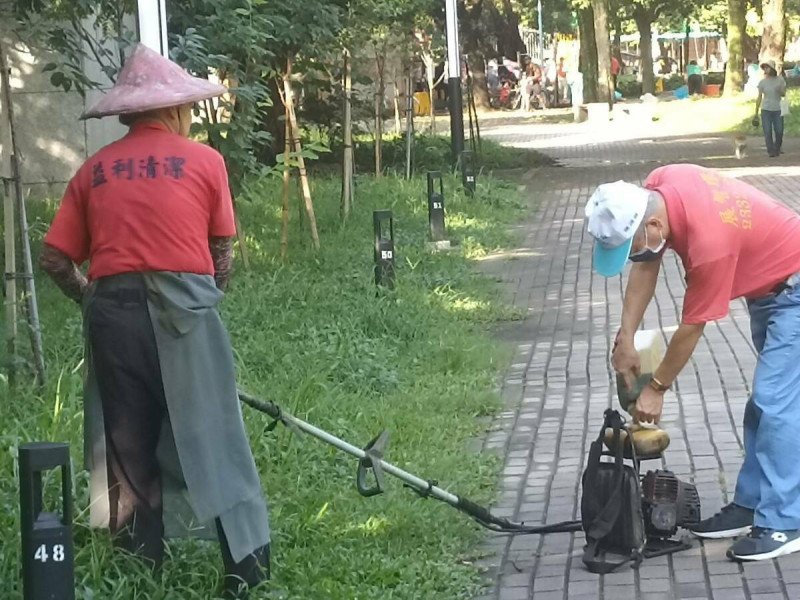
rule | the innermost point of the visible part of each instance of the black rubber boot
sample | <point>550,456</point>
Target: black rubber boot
<point>242,576</point>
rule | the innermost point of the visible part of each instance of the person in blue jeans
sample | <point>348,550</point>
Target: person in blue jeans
<point>734,242</point>
<point>770,91</point>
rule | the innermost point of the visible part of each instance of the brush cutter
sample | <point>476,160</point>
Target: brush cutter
<point>370,459</point>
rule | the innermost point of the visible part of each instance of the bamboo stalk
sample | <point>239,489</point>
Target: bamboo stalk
<point>289,100</point>
<point>22,222</point>
<point>285,206</point>
<point>11,283</point>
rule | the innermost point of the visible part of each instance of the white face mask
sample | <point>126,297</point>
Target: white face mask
<point>647,254</point>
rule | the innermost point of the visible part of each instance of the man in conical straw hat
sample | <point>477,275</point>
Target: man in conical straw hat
<point>152,214</point>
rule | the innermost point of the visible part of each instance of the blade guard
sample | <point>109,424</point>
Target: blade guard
<point>374,453</point>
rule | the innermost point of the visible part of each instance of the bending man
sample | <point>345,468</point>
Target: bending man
<point>734,241</point>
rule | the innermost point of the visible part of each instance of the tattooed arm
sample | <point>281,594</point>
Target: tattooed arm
<point>222,255</point>
<point>63,272</point>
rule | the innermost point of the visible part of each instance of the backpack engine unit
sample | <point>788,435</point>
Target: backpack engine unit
<point>627,515</point>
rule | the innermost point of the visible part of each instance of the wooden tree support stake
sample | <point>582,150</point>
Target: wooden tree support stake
<point>298,149</point>
<point>240,236</point>
<point>285,205</point>
<point>347,135</point>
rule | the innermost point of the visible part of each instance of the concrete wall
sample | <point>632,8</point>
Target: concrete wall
<point>52,141</point>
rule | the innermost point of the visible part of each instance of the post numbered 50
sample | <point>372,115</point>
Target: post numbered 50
<point>58,554</point>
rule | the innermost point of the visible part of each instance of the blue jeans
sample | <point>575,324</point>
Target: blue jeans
<point>769,480</point>
<point>772,121</point>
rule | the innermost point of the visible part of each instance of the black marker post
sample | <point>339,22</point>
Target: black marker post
<point>468,172</point>
<point>436,214</point>
<point>384,248</point>
<point>47,550</point>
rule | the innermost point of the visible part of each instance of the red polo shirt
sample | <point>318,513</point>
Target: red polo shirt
<point>148,202</point>
<point>734,240</point>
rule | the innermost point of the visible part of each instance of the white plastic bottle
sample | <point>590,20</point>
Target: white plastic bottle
<point>649,343</point>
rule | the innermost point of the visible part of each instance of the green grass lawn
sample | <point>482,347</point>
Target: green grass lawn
<point>312,334</point>
<point>734,115</point>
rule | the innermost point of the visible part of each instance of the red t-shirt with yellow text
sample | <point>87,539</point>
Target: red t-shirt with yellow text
<point>148,202</point>
<point>734,240</point>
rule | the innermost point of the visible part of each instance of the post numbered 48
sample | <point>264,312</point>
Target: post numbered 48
<point>58,553</point>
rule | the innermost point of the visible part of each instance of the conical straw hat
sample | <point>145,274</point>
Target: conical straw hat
<point>149,81</point>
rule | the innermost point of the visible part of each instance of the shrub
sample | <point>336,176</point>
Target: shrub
<point>629,86</point>
<point>673,82</point>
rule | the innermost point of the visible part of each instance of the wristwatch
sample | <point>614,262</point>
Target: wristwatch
<point>657,385</point>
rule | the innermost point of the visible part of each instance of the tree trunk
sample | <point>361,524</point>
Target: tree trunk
<point>664,53</point>
<point>347,134</point>
<point>271,123</point>
<point>509,41</point>
<point>686,49</point>
<point>480,86</point>
<point>773,41</point>
<point>605,85</point>
<point>558,80</point>
<point>616,45</point>
<point>737,19</point>
<point>588,54</point>
<point>473,27</point>
<point>644,23</point>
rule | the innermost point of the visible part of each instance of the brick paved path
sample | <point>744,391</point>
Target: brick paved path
<point>560,381</point>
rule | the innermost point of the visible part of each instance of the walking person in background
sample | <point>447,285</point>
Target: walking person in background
<point>771,90</point>
<point>615,68</point>
<point>562,88</point>
<point>525,85</point>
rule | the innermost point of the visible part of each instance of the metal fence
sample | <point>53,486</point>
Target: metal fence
<point>531,39</point>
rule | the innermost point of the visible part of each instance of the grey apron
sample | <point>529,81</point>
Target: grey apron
<point>207,467</point>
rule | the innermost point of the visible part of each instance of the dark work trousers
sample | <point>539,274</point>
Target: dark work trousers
<point>128,374</point>
<point>695,84</point>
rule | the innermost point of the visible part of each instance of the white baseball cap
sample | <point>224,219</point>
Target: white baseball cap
<point>614,213</point>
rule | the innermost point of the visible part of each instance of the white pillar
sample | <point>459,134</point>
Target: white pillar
<point>153,25</point>
<point>453,62</point>
<point>541,33</point>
